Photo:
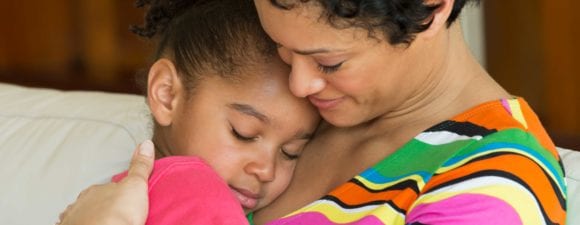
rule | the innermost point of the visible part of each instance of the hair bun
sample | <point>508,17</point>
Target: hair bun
<point>159,15</point>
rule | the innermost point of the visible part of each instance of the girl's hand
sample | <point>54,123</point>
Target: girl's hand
<point>122,203</point>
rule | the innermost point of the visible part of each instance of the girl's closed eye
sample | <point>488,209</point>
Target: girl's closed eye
<point>293,150</point>
<point>241,137</point>
<point>288,155</point>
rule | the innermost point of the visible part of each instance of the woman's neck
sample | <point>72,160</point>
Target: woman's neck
<point>455,83</point>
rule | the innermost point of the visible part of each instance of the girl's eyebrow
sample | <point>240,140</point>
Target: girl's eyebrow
<point>250,111</point>
<point>305,136</point>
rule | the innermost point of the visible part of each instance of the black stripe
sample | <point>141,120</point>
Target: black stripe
<point>403,185</point>
<point>462,128</point>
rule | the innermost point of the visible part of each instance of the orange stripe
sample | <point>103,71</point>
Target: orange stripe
<point>536,128</point>
<point>492,115</point>
<point>358,195</point>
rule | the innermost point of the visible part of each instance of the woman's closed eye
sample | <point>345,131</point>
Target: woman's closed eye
<point>329,69</point>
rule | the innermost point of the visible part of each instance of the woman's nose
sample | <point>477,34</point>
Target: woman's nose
<point>305,80</point>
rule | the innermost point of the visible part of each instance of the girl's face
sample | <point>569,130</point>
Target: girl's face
<point>250,131</point>
<point>350,77</point>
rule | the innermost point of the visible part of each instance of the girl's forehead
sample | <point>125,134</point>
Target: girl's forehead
<point>270,77</point>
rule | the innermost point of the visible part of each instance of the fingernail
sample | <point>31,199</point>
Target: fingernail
<point>146,148</point>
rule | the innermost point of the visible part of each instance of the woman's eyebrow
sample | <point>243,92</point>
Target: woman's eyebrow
<point>250,111</point>
<point>310,51</point>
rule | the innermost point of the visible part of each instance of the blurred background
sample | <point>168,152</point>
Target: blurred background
<point>531,47</point>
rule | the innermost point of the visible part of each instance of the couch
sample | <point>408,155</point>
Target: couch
<point>53,144</point>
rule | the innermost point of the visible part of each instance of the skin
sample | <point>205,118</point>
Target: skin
<point>374,96</point>
<point>251,131</point>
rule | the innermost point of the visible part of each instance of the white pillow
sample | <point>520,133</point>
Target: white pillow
<point>53,144</point>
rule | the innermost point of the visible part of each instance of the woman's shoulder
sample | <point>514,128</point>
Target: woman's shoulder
<point>499,156</point>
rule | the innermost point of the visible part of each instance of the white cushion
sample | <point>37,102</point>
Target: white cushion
<point>53,144</point>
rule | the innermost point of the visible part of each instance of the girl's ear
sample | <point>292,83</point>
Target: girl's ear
<point>164,91</point>
<point>439,17</point>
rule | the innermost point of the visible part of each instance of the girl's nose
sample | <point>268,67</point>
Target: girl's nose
<point>263,167</point>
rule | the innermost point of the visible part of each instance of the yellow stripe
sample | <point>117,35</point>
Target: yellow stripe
<point>337,214</point>
<point>517,112</point>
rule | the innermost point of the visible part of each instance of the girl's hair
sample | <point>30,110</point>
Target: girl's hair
<point>398,20</point>
<point>201,36</point>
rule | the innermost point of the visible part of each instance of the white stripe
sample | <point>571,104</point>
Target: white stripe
<point>443,137</point>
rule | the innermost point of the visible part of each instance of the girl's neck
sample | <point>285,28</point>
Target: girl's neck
<point>161,146</point>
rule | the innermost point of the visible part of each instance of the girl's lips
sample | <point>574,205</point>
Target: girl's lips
<point>247,199</point>
<point>324,104</point>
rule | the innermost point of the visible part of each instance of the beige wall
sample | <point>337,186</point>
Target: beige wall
<point>473,29</point>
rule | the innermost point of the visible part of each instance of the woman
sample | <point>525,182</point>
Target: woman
<point>416,131</point>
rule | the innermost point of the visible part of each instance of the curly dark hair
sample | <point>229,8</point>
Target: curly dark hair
<point>201,36</point>
<point>398,20</point>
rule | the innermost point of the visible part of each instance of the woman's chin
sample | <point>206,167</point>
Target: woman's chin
<point>340,119</point>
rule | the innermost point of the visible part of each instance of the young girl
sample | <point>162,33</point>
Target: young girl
<point>227,127</point>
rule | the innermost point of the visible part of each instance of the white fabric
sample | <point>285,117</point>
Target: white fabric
<point>53,144</point>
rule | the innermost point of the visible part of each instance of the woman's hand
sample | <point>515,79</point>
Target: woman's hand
<point>122,203</point>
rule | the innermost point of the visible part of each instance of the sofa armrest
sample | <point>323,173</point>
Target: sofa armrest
<point>56,143</point>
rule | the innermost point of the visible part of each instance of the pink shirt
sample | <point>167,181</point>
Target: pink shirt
<point>184,190</point>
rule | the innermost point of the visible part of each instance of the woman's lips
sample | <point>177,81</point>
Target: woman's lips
<point>324,104</point>
<point>247,199</point>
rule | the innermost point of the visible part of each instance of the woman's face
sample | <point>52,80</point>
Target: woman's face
<point>349,76</point>
<point>250,131</point>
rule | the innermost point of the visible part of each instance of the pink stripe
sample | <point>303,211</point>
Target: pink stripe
<point>506,105</point>
<point>465,209</point>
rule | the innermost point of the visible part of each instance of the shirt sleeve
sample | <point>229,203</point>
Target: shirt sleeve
<point>185,190</point>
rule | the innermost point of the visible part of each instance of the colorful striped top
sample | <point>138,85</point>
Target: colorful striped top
<point>493,164</point>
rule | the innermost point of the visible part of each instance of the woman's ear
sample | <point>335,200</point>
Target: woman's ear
<point>439,17</point>
<point>164,90</point>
